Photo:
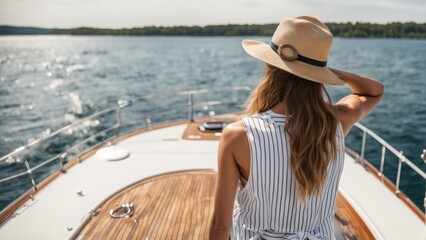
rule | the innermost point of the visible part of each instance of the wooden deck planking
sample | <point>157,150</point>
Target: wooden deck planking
<point>179,206</point>
<point>170,206</point>
<point>145,212</point>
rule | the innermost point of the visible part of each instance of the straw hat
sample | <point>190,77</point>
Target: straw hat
<point>299,46</point>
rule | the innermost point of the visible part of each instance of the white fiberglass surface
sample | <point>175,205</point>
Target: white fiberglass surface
<point>382,211</point>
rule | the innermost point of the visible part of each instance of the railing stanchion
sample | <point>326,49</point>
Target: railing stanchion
<point>118,117</point>
<point>382,161</point>
<point>61,159</point>
<point>191,107</point>
<point>30,174</point>
<point>364,136</point>
<point>398,176</point>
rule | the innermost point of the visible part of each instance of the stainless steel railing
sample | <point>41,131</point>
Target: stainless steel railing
<point>53,134</point>
<point>15,155</point>
<point>387,146</point>
<point>399,154</point>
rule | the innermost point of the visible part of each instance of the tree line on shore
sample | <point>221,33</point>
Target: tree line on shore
<point>350,30</point>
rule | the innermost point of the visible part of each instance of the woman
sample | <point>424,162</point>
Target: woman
<point>279,169</point>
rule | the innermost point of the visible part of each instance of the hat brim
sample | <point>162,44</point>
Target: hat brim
<point>264,53</point>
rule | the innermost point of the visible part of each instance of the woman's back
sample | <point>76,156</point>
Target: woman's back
<point>269,200</point>
<point>293,164</point>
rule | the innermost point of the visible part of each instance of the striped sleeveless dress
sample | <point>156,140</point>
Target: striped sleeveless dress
<point>267,207</point>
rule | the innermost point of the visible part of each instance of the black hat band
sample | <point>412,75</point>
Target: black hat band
<point>295,56</point>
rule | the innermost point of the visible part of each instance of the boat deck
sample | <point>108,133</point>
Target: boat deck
<point>179,206</point>
<point>57,212</point>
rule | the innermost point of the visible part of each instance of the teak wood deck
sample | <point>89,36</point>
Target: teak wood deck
<point>179,206</point>
<point>170,206</point>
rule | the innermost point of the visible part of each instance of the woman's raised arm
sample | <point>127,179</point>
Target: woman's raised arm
<point>366,94</point>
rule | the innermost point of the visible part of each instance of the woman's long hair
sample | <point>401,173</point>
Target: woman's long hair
<point>311,124</point>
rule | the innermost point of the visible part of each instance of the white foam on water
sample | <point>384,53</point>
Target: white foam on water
<point>77,105</point>
<point>54,84</point>
<point>74,67</point>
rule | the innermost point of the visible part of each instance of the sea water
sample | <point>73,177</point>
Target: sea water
<point>47,82</point>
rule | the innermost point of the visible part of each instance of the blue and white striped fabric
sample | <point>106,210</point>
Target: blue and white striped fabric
<point>267,207</point>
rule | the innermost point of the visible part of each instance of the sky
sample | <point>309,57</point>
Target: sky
<point>140,13</point>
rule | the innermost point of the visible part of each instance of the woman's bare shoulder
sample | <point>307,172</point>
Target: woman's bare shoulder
<point>234,131</point>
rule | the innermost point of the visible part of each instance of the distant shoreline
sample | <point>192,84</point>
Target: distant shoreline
<point>410,30</point>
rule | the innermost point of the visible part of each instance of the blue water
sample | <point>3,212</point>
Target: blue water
<point>50,81</point>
